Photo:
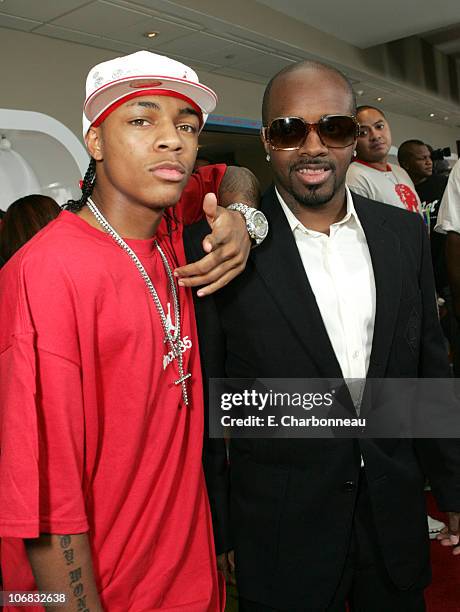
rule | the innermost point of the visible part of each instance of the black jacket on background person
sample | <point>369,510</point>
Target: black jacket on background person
<point>286,506</point>
<point>430,192</point>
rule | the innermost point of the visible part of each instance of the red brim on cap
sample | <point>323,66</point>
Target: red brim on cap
<point>104,96</point>
<point>146,92</point>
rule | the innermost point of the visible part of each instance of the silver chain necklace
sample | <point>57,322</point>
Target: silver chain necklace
<point>173,339</point>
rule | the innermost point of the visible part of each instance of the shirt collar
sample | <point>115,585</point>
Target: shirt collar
<point>350,217</point>
<point>360,161</point>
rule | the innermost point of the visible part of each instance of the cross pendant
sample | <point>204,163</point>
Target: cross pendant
<point>180,380</point>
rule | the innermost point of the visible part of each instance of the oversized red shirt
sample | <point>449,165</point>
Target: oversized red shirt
<point>94,433</point>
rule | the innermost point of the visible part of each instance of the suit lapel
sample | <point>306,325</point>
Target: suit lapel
<point>279,264</point>
<point>384,248</point>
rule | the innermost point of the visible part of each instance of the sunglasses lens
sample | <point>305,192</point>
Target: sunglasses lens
<point>287,133</point>
<point>337,130</point>
<point>334,131</point>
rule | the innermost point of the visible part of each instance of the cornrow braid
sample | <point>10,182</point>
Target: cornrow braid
<point>87,187</point>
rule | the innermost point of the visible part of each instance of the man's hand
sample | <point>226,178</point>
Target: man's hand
<point>450,535</point>
<point>226,565</point>
<point>228,247</point>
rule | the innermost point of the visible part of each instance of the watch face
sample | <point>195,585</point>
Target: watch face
<point>260,225</point>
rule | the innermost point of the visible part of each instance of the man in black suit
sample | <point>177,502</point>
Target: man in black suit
<point>341,287</point>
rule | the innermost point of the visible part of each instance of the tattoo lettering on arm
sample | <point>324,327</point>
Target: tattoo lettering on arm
<point>75,575</point>
<point>65,541</point>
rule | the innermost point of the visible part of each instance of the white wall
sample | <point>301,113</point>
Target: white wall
<point>45,75</point>
<point>403,128</point>
<point>48,75</point>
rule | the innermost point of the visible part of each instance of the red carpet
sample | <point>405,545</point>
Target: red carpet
<point>443,595</point>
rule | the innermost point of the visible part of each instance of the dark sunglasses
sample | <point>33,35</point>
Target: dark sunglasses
<point>289,133</point>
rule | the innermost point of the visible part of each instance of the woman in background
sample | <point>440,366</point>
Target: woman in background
<point>23,219</point>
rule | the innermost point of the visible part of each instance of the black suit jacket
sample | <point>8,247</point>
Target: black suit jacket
<point>291,504</point>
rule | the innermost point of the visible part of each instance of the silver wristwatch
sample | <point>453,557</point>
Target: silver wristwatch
<point>256,221</point>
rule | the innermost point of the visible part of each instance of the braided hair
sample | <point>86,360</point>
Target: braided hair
<point>87,187</point>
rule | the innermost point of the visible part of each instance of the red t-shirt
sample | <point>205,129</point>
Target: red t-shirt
<point>95,435</point>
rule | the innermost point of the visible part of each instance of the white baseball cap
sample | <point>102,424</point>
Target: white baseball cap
<point>112,83</point>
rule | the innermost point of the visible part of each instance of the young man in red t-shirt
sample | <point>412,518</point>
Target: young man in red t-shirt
<point>100,388</point>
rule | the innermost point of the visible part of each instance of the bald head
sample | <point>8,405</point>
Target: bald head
<point>309,69</point>
<point>312,174</point>
<point>408,149</point>
<point>365,107</point>
<point>415,157</point>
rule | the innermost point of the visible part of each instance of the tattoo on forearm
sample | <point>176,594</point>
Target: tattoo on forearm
<point>65,540</point>
<point>75,575</point>
<point>239,183</point>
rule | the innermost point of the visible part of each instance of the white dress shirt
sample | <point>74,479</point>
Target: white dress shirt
<point>341,276</point>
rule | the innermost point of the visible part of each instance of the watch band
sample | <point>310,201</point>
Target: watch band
<point>257,230</point>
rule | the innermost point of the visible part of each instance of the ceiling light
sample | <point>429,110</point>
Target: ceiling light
<point>379,99</point>
<point>431,114</point>
<point>446,118</point>
<point>359,92</point>
<point>151,34</point>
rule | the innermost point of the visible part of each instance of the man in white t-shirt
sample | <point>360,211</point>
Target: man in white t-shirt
<point>449,223</point>
<point>449,211</point>
<point>371,175</point>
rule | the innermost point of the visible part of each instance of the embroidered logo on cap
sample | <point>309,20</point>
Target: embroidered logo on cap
<point>98,79</point>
